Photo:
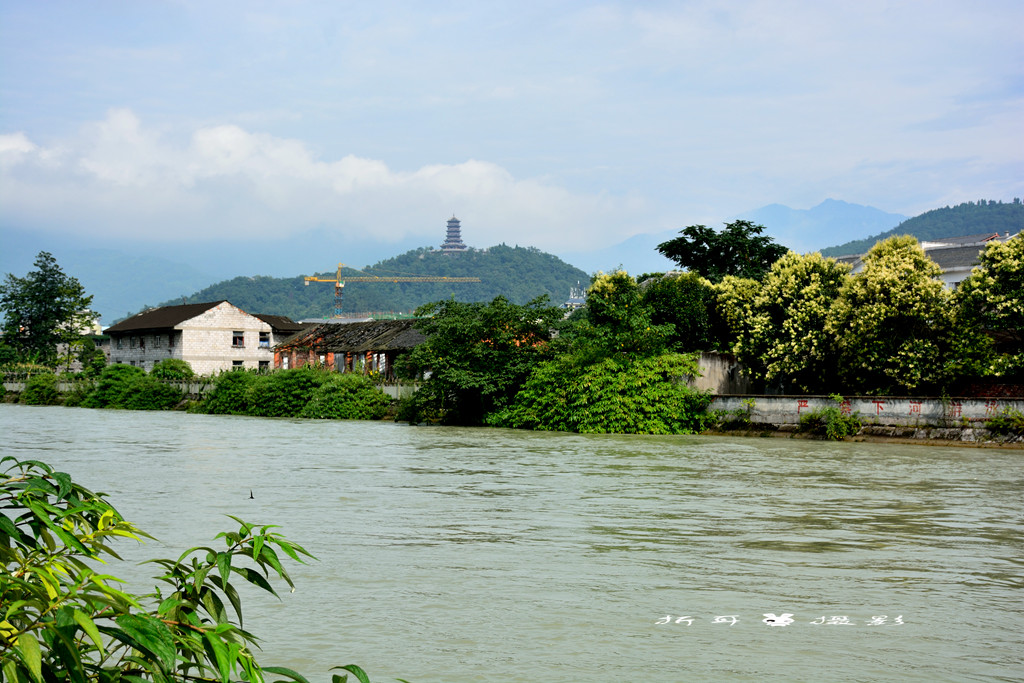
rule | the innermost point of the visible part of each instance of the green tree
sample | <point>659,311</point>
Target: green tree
<point>893,323</point>
<point>992,299</point>
<point>43,309</point>
<point>739,249</point>
<point>91,357</point>
<point>477,355</point>
<point>783,341</point>
<point>616,320</point>
<point>687,302</point>
<point>64,621</point>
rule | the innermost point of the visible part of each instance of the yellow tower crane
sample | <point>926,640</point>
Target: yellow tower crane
<point>339,282</point>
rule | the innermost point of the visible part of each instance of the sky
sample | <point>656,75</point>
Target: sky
<point>566,125</point>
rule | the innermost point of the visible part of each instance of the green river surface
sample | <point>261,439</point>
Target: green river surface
<point>448,554</point>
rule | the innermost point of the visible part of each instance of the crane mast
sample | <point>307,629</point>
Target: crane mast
<point>339,282</point>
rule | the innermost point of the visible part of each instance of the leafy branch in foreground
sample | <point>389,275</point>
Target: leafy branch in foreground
<point>60,620</point>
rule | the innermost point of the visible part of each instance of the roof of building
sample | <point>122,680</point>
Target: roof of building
<point>165,317</point>
<point>955,257</point>
<point>281,323</point>
<point>371,335</point>
<point>965,239</point>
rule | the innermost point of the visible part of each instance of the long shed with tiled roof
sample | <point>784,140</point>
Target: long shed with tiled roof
<point>368,346</point>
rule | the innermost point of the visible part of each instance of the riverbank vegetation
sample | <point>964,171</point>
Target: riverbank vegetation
<point>798,324</point>
<point>64,621</point>
<point>307,392</point>
<point>805,325</point>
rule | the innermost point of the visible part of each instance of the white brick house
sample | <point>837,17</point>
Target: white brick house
<point>210,337</point>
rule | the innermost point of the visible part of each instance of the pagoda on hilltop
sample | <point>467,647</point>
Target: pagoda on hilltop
<point>453,243</point>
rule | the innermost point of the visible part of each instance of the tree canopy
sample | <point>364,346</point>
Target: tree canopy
<point>43,309</point>
<point>992,298</point>
<point>784,341</point>
<point>893,323</point>
<point>739,249</point>
<point>477,355</point>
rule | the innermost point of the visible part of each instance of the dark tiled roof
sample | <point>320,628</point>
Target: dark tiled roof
<point>372,335</point>
<point>163,318</point>
<point>281,323</point>
<point>967,239</point>
<point>955,257</point>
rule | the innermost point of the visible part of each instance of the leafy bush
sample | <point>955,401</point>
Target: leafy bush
<point>64,622</point>
<point>229,395</point>
<point>1010,421</point>
<point>347,396</point>
<point>41,390</point>
<point>623,394</point>
<point>149,393</point>
<point>112,386</point>
<point>284,393</point>
<point>830,422</point>
<point>81,388</point>
<point>172,368</point>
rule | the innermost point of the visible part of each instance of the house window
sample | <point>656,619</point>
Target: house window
<point>238,339</point>
<point>237,364</point>
<point>264,365</point>
<point>170,340</point>
<point>265,340</point>
<point>142,342</point>
<point>120,343</point>
<point>131,342</point>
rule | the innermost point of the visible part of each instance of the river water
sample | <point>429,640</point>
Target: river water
<point>449,554</point>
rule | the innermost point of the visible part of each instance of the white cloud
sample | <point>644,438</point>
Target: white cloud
<point>122,179</point>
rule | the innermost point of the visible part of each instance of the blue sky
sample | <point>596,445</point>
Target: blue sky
<point>561,125</point>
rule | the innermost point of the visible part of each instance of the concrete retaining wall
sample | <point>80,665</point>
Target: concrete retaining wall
<point>892,411</point>
<point>721,373</point>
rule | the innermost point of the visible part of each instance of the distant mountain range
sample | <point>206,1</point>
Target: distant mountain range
<point>124,281</point>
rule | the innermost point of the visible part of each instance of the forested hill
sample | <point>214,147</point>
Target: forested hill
<point>517,273</point>
<point>970,218</point>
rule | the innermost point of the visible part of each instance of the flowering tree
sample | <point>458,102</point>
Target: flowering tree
<point>992,298</point>
<point>892,323</point>
<point>734,298</point>
<point>784,340</point>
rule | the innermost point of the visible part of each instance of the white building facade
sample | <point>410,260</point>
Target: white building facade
<point>210,337</point>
